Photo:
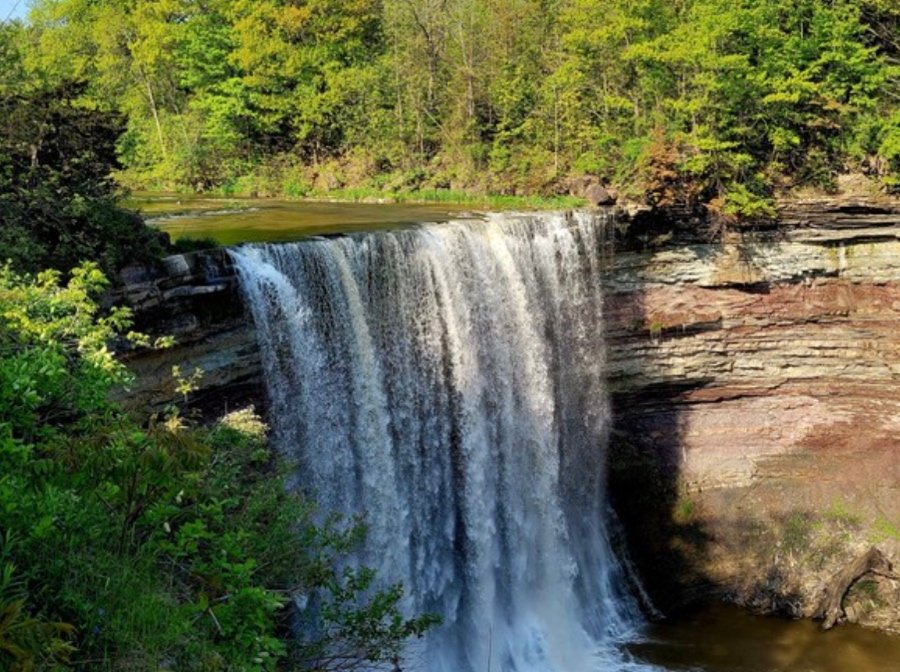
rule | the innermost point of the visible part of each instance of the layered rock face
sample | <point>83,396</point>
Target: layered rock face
<point>195,299</point>
<point>757,408</point>
<point>755,390</point>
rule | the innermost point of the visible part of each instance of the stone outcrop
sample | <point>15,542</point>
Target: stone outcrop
<point>194,298</point>
<point>755,396</point>
<point>757,407</point>
<point>591,190</point>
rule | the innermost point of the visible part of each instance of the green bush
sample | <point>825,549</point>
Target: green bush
<point>140,544</point>
<point>890,150</point>
<point>186,244</point>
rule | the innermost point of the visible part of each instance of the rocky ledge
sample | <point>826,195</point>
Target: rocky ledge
<point>195,298</point>
<point>755,397</point>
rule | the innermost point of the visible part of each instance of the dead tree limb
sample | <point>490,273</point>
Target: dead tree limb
<point>872,561</point>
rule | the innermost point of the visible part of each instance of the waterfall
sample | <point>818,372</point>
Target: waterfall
<point>448,381</point>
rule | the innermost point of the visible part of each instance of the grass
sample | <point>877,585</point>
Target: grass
<point>839,512</point>
<point>685,510</point>
<point>491,201</point>
<point>883,530</point>
<point>797,533</point>
<point>655,329</point>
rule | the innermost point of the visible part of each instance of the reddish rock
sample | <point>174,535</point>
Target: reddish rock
<point>756,413</point>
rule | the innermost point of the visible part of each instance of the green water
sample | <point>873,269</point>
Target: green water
<point>230,221</point>
<point>727,639</point>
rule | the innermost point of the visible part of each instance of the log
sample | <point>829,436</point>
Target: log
<point>832,610</point>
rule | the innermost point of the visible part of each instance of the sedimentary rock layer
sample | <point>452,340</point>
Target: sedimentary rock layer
<point>195,299</point>
<point>757,408</point>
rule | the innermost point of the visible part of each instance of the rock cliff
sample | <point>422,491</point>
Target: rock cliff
<point>756,409</point>
<point>755,395</point>
<point>194,298</point>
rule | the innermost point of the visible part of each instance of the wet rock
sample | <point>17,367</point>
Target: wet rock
<point>133,275</point>
<point>186,291</point>
<point>177,265</point>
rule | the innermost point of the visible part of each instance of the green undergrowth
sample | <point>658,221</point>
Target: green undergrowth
<point>451,197</point>
<point>135,543</point>
<point>185,244</point>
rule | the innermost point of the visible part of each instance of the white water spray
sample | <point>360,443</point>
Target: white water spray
<point>448,381</point>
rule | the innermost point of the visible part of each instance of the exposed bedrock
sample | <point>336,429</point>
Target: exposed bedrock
<point>195,299</point>
<point>757,411</point>
<point>755,391</point>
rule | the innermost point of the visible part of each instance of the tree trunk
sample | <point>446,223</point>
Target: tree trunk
<point>152,100</point>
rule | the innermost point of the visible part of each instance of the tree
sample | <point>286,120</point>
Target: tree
<point>57,198</point>
<point>508,95</point>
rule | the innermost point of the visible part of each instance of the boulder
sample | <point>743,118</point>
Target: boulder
<point>576,186</point>
<point>597,195</point>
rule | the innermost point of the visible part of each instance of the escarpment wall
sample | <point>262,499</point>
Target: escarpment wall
<point>756,404</point>
<point>757,408</point>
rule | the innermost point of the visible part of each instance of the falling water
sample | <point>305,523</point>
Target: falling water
<point>448,381</point>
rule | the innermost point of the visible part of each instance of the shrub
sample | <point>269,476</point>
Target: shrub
<point>153,543</point>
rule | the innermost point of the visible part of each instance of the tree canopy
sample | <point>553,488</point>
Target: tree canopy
<point>58,202</point>
<point>504,95</point>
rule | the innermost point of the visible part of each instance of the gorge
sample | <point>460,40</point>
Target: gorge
<point>449,335</point>
<point>750,384</point>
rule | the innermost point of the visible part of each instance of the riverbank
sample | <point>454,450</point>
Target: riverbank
<point>459,198</point>
<point>850,192</point>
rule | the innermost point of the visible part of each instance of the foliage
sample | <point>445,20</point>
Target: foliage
<point>153,545</point>
<point>186,244</point>
<point>384,191</point>
<point>506,96</point>
<point>57,200</point>
<point>26,642</point>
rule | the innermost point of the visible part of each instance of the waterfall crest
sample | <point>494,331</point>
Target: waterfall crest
<point>448,380</point>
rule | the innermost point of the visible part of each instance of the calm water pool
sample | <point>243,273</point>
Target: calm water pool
<point>727,639</point>
<point>230,221</point>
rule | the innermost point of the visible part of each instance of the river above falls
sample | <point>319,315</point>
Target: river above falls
<point>230,221</point>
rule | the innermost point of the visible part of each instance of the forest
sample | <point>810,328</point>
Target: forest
<point>720,103</point>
